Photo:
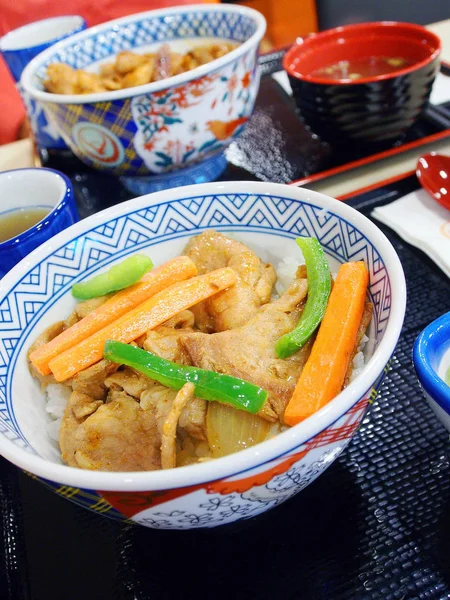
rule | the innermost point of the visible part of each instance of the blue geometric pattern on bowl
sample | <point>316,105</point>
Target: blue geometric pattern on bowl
<point>174,129</point>
<point>37,291</point>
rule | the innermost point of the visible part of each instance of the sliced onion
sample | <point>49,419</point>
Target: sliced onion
<point>230,430</point>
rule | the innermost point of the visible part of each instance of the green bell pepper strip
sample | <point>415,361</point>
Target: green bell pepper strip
<point>319,287</point>
<point>208,384</point>
<point>120,276</point>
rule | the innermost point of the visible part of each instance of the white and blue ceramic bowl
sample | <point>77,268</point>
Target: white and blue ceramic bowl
<point>166,133</point>
<point>19,47</point>
<point>431,356</point>
<point>268,217</point>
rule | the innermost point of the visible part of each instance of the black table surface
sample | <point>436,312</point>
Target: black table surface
<point>375,525</point>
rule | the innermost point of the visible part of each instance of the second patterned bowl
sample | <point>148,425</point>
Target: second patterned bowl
<point>167,133</point>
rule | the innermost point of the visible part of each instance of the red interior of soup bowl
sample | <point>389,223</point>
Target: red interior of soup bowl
<point>412,42</point>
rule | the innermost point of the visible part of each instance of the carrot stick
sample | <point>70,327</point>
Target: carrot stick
<point>177,269</point>
<point>324,372</point>
<point>149,314</point>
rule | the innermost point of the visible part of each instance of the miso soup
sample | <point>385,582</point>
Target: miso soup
<point>361,68</point>
<point>15,222</point>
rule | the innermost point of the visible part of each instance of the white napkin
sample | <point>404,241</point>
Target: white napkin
<point>441,89</point>
<point>282,78</point>
<point>422,222</point>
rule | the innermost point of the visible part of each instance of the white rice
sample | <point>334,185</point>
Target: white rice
<point>58,394</point>
<point>286,272</point>
<point>53,428</point>
<point>359,360</point>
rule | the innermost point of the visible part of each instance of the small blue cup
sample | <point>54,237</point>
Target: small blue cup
<point>19,47</point>
<point>31,188</point>
<point>431,356</point>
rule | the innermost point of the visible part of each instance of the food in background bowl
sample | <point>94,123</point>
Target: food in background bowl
<point>265,217</point>
<point>130,69</point>
<point>169,132</point>
<point>203,327</point>
<point>361,67</point>
<point>363,84</point>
